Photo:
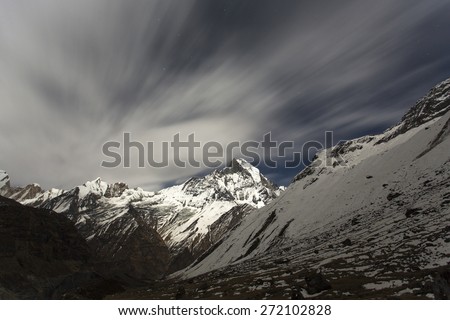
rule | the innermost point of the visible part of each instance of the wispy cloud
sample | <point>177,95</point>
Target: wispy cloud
<point>75,74</point>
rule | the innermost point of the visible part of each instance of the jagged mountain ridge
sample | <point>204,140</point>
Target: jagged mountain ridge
<point>435,104</point>
<point>187,218</point>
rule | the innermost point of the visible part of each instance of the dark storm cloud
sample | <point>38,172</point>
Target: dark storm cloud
<point>75,74</point>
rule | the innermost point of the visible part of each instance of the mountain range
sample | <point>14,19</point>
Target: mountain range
<point>136,234</point>
<point>368,218</point>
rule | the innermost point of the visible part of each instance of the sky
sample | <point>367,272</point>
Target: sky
<point>77,74</point>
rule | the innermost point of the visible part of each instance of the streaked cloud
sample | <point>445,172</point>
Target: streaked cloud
<point>75,74</point>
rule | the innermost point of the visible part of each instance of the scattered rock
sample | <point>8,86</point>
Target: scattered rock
<point>306,172</point>
<point>309,182</point>
<point>203,287</point>
<point>281,261</point>
<point>412,212</point>
<point>296,294</point>
<point>393,195</point>
<point>369,177</point>
<point>347,242</point>
<point>181,292</point>
<point>316,283</point>
<point>426,183</point>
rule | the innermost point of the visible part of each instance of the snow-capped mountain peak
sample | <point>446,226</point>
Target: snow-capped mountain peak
<point>240,182</point>
<point>243,166</point>
<point>95,187</point>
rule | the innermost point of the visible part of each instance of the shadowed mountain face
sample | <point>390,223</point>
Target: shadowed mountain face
<point>129,249</point>
<point>38,250</point>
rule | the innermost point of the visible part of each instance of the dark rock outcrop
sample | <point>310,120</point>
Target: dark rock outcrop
<point>115,189</point>
<point>347,242</point>
<point>316,283</point>
<point>433,105</point>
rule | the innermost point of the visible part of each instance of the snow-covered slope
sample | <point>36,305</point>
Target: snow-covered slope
<point>385,197</point>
